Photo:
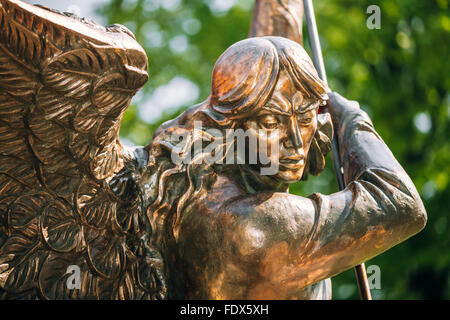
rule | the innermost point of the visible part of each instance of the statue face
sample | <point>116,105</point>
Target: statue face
<point>290,120</point>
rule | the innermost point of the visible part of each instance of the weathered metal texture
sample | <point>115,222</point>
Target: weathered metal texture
<point>64,86</point>
<point>278,18</point>
<point>140,226</point>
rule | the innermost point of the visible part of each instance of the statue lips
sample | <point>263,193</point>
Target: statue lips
<point>294,162</point>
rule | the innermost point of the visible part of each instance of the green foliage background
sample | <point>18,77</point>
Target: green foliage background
<point>398,73</point>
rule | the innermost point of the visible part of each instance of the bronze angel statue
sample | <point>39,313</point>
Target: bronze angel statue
<point>140,225</point>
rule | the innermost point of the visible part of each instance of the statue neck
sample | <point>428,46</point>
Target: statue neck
<point>254,182</point>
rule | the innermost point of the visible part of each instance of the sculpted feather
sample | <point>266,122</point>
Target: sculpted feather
<point>65,84</point>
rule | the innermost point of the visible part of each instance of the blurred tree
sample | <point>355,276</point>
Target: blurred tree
<point>398,73</point>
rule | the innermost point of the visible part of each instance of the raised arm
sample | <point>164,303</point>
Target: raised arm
<point>271,245</point>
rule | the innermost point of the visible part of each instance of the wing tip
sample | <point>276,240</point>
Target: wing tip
<point>119,37</point>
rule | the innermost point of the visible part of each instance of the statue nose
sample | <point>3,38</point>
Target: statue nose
<point>294,137</point>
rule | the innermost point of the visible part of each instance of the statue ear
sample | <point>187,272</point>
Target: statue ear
<point>324,132</point>
<point>320,146</point>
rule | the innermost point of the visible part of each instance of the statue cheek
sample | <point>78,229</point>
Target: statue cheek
<point>308,135</point>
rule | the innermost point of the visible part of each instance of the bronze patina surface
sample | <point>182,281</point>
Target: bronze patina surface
<point>140,225</point>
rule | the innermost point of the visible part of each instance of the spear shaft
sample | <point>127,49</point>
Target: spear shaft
<point>313,35</point>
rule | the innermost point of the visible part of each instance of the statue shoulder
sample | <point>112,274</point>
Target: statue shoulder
<point>223,192</point>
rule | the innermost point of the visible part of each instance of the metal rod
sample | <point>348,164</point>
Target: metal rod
<point>314,42</point>
<point>363,283</point>
<point>313,35</point>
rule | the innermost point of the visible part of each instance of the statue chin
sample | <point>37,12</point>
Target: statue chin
<point>283,174</point>
<point>289,175</point>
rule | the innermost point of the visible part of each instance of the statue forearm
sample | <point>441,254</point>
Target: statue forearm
<point>367,160</point>
<point>379,208</point>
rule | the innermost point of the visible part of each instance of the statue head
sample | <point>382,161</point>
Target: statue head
<point>269,88</point>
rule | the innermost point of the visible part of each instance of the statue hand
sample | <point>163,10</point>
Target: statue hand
<point>338,106</point>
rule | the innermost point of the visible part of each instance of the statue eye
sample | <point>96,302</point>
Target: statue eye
<point>304,120</point>
<point>269,122</point>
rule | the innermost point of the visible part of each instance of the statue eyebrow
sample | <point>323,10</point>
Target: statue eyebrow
<point>273,108</point>
<point>307,108</point>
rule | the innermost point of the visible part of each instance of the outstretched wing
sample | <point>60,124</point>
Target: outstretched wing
<point>64,85</point>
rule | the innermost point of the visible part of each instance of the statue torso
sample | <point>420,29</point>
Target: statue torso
<point>186,281</point>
